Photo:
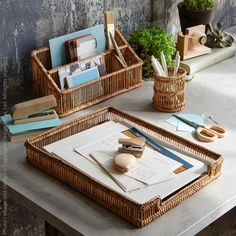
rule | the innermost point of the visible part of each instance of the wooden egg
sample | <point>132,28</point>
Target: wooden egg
<point>124,162</point>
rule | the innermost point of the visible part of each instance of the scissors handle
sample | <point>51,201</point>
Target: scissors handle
<point>218,130</point>
<point>210,133</point>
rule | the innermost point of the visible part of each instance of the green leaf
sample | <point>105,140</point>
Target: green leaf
<point>198,5</point>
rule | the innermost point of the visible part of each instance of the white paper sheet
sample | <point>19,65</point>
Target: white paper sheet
<point>125,182</point>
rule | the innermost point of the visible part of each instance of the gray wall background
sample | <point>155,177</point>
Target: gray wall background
<point>28,24</point>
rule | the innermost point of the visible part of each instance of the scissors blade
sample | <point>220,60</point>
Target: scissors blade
<point>188,122</point>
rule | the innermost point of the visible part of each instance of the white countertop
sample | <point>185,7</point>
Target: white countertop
<point>212,92</point>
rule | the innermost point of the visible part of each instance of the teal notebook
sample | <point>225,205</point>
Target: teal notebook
<point>36,125</point>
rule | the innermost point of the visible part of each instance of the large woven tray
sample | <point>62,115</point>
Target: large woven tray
<point>139,215</point>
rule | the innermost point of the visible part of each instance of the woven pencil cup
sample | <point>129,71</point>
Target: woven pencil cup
<point>169,91</point>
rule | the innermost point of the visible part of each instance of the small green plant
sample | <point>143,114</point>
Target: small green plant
<point>151,41</point>
<point>198,5</point>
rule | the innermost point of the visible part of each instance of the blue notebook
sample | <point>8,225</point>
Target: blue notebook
<point>26,127</point>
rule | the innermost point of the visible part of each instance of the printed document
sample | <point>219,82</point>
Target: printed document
<point>151,168</point>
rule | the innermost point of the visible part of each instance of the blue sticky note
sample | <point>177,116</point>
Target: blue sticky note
<point>181,126</point>
<point>191,117</point>
<point>30,126</point>
<point>58,49</point>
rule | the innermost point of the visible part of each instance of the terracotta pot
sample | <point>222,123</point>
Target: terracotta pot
<point>189,18</point>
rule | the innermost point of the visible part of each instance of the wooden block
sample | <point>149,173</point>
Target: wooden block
<point>109,27</point>
<point>109,17</point>
<point>22,110</point>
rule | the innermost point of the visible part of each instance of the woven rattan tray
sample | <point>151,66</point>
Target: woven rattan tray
<point>118,79</point>
<point>139,215</point>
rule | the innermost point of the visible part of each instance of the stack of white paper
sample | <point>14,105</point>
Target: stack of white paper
<point>65,150</point>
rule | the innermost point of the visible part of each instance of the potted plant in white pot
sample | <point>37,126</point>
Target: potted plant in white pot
<point>195,12</point>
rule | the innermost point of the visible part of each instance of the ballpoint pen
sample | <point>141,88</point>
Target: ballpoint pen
<point>163,62</point>
<point>117,50</point>
<point>157,66</point>
<point>177,62</point>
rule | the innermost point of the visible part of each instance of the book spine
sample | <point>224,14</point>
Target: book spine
<point>76,46</point>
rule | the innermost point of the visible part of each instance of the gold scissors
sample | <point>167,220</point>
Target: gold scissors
<point>206,133</point>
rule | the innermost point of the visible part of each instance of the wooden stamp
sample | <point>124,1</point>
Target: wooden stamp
<point>133,146</point>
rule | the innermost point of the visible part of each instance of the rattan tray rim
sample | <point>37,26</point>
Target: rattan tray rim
<point>206,177</point>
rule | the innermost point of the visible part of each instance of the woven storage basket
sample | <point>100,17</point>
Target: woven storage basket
<point>139,215</point>
<point>116,81</point>
<point>169,91</point>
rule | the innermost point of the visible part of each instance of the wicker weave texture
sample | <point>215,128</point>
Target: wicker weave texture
<point>117,80</point>
<point>169,91</point>
<point>139,215</point>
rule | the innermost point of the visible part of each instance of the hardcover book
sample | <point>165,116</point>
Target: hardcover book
<point>71,52</point>
<point>199,63</point>
<point>84,47</point>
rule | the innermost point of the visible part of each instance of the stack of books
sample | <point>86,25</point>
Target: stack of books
<point>28,119</point>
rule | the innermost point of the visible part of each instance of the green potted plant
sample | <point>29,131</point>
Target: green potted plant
<point>195,12</point>
<point>151,41</point>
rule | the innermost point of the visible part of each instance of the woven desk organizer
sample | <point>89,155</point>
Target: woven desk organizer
<point>139,215</point>
<point>117,80</point>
